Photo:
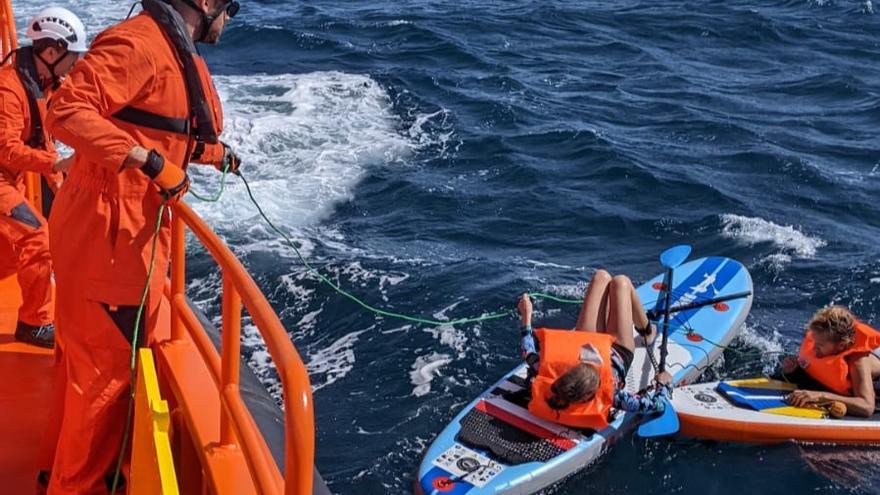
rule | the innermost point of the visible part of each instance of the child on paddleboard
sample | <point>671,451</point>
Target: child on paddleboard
<point>578,376</point>
<point>837,354</point>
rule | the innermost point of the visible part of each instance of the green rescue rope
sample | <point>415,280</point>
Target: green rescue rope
<point>379,311</point>
<point>134,340</point>
<point>414,319</point>
<point>687,330</point>
<point>216,197</point>
<point>352,297</point>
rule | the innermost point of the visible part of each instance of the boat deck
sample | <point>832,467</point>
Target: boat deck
<point>26,383</point>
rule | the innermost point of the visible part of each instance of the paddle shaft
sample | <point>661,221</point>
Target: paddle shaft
<point>700,304</point>
<point>652,315</point>
<point>663,350</point>
<point>685,307</point>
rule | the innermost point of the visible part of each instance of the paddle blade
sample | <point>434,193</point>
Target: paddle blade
<point>660,426</point>
<point>675,255</point>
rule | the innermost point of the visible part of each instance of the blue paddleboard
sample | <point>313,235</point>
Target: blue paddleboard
<point>496,446</point>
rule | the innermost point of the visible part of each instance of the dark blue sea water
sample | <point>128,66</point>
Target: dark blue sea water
<point>439,158</point>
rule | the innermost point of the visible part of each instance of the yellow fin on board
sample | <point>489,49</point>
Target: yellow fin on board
<point>799,412</point>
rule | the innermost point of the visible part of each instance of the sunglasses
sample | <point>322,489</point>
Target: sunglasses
<point>232,8</point>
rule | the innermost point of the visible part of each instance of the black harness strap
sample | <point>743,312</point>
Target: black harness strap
<point>151,120</point>
<point>27,72</point>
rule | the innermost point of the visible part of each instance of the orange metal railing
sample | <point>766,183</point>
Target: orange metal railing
<point>8,41</point>
<point>235,420</point>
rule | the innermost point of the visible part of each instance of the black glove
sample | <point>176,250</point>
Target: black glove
<point>172,180</point>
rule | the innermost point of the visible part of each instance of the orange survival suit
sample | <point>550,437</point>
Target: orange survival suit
<point>833,371</point>
<point>560,351</point>
<point>24,146</point>
<point>142,83</point>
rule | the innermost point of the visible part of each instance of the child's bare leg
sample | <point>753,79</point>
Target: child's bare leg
<point>620,311</point>
<point>640,317</point>
<point>593,311</point>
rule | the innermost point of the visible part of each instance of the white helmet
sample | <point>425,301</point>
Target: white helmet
<point>58,23</point>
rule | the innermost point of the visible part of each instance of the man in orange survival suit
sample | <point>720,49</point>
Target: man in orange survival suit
<point>137,109</point>
<point>59,38</point>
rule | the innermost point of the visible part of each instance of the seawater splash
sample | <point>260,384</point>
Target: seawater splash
<point>788,241</point>
<point>305,141</point>
<point>757,351</point>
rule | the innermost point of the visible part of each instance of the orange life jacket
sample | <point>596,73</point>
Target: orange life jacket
<point>833,371</point>
<point>561,350</point>
<point>204,121</point>
<point>24,144</point>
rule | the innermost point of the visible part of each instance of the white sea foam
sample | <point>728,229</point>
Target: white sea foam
<point>332,362</point>
<point>325,366</point>
<point>395,22</point>
<point>300,293</point>
<point>260,361</point>
<point>451,337</point>
<point>769,343</point>
<point>308,320</point>
<point>788,240</point>
<point>404,328</point>
<point>776,262</point>
<point>420,131</point>
<point>305,139</point>
<point>424,369</point>
<point>547,264</point>
<point>566,291</point>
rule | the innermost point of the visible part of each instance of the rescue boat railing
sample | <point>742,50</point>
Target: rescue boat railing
<point>235,421</point>
<point>8,41</point>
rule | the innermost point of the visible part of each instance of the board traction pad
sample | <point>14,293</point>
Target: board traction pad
<point>509,443</point>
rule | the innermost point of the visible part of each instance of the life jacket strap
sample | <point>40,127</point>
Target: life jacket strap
<point>27,73</point>
<point>151,120</point>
